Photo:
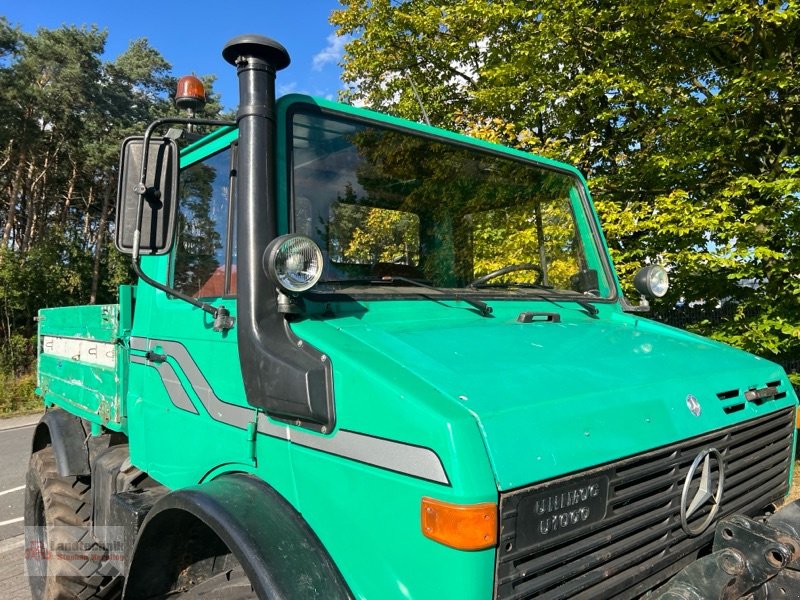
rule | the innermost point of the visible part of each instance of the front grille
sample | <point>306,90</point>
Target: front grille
<point>639,543</point>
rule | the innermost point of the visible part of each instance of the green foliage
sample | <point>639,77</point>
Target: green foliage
<point>17,395</point>
<point>378,235</point>
<point>63,112</point>
<point>683,115</point>
<point>15,354</point>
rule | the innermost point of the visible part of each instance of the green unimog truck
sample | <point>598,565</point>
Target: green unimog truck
<point>368,358</point>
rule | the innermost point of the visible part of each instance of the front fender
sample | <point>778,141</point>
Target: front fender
<point>280,554</point>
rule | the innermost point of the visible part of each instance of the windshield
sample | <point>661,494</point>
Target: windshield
<point>385,203</point>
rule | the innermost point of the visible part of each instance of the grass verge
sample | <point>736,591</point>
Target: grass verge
<point>17,395</point>
<point>794,490</point>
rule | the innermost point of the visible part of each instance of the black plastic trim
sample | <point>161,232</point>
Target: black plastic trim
<point>282,375</point>
<point>64,432</point>
<point>230,227</point>
<point>279,552</point>
<point>641,515</point>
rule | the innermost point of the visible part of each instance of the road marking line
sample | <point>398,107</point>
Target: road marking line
<point>10,521</point>
<point>17,427</point>
<point>12,543</point>
<point>16,489</point>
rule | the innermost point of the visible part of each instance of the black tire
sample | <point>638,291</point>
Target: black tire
<point>58,514</point>
<point>231,584</point>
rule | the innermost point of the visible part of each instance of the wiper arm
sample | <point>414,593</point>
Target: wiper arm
<point>482,307</point>
<point>590,308</point>
<point>548,290</point>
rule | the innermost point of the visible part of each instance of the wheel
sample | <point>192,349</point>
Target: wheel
<point>63,560</point>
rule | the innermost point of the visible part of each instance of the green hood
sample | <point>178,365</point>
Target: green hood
<point>556,397</point>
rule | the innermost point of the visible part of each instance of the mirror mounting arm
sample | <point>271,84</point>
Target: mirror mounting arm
<point>223,321</point>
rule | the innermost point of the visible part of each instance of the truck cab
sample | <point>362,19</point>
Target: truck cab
<point>369,358</point>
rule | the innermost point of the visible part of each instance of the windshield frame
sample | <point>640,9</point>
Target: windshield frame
<point>290,105</point>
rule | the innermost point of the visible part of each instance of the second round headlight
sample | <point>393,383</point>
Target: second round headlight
<point>652,281</point>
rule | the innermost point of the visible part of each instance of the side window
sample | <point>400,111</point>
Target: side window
<point>204,263</point>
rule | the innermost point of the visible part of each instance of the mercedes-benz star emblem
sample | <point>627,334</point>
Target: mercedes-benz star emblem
<point>694,405</point>
<point>708,492</point>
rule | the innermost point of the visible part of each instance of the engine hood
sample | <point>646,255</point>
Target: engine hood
<point>556,397</point>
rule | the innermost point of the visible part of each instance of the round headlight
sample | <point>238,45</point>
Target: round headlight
<point>652,281</point>
<point>293,263</point>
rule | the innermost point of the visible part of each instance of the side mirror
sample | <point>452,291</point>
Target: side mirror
<point>159,204</point>
<point>585,281</point>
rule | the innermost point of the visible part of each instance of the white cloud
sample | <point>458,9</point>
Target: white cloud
<point>287,88</point>
<point>331,53</point>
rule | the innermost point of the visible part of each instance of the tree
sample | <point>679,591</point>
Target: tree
<point>684,116</point>
<point>63,112</point>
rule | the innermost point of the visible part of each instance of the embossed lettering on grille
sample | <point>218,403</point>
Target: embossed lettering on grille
<point>639,543</point>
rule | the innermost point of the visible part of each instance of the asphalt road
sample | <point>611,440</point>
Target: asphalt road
<point>15,444</point>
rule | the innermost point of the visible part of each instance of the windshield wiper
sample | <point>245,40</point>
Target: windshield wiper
<point>549,290</point>
<point>481,306</point>
<point>590,308</point>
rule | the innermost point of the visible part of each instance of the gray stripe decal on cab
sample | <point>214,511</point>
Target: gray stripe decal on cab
<point>408,459</point>
<point>169,378</point>
<point>380,452</point>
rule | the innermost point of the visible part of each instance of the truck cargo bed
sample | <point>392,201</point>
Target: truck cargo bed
<point>81,361</point>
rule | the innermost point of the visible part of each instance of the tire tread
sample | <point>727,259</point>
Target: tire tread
<point>68,507</point>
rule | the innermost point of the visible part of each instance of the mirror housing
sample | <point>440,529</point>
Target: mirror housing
<point>585,281</point>
<point>159,204</point>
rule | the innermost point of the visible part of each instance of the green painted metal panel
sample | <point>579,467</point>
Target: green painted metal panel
<point>208,145</point>
<point>369,520</point>
<point>95,322</point>
<point>179,447</point>
<point>405,410</point>
<point>81,365</point>
<point>126,299</point>
<point>551,398</point>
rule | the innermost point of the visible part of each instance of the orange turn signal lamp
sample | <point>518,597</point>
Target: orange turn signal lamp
<point>461,526</point>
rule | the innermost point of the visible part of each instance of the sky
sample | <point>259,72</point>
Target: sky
<point>190,35</point>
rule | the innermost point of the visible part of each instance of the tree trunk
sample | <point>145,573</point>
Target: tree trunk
<point>12,202</point>
<point>87,214</point>
<point>73,178</point>
<point>38,191</point>
<point>30,209</point>
<point>100,242</point>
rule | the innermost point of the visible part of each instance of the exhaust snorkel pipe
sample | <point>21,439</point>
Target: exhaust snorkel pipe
<point>282,375</point>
